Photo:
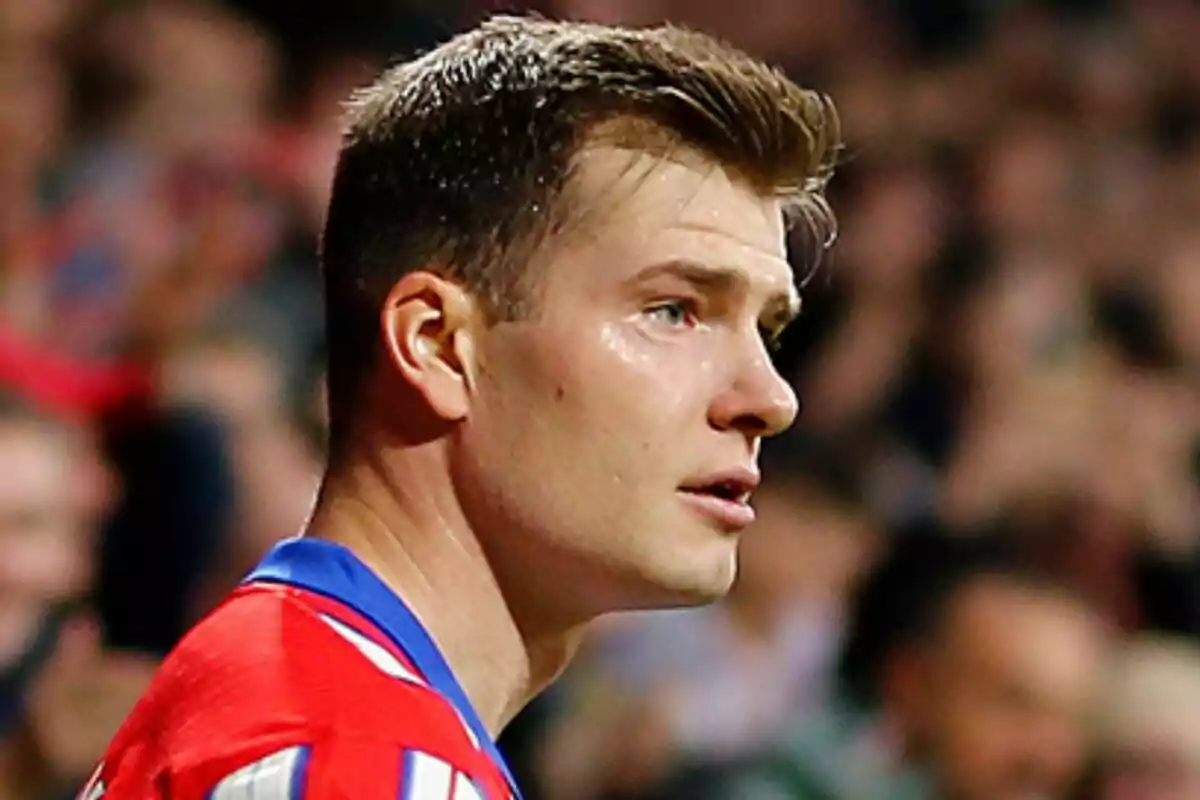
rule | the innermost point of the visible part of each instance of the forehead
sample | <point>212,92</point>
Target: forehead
<point>636,207</point>
<point>1032,630</point>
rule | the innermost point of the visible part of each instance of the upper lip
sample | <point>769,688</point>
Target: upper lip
<point>739,483</point>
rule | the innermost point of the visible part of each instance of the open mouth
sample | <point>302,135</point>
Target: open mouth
<point>730,491</point>
<point>723,501</point>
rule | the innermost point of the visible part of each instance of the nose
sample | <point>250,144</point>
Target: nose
<point>758,402</point>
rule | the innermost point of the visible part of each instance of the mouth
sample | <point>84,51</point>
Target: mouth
<point>730,491</point>
<point>724,499</point>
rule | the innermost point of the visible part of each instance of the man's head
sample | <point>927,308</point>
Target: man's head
<point>992,684</point>
<point>1002,692</point>
<point>44,542</point>
<point>552,255</point>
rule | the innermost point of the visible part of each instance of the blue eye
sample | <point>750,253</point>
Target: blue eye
<point>674,312</point>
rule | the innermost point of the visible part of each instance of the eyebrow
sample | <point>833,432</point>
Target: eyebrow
<point>781,307</point>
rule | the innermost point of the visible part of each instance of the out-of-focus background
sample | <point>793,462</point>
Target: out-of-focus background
<point>977,569</point>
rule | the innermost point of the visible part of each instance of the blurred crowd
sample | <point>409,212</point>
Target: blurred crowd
<point>976,572</point>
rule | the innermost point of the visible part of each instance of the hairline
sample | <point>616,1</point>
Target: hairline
<point>571,214</point>
<point>946,621</point>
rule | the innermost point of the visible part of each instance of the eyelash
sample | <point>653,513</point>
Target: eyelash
<point>687,308</point>
<point>690,315</point>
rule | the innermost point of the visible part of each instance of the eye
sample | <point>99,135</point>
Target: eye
<point>676,313</point>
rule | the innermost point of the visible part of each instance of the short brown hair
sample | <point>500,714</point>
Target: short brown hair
<point>458,159</point>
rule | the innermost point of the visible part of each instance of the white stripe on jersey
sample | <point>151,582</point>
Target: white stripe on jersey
<point>375,652</point>
<point>426,777</point>
<point>94,789</point>
<point>390,665</point>
<point>279,776</point>
<point>465,789</point>
<point>470,731</point>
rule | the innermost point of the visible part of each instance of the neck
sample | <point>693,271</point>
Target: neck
<point>390,517</point>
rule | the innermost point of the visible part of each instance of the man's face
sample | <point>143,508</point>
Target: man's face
<point>603,423</point>
<point>43,544</point>
<point>1008,691</point>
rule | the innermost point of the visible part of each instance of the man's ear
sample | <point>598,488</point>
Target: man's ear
<point>427,324</point>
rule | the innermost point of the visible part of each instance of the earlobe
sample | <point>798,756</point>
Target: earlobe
<point>426,326</point>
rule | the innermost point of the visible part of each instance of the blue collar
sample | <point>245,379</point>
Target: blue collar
<point>333,571</point>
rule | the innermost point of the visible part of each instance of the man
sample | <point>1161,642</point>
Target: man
<point>553,257</point>
<point>61,695</point>
<point>965,676</point>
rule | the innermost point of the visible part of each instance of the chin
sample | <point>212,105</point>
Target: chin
<point>683,585</point>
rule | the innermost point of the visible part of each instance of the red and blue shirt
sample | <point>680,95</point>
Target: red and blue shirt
<point>312,681</point>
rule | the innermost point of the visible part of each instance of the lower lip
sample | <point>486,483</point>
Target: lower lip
<point>729,514</point>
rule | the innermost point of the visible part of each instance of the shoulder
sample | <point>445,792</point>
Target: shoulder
<point>270,674</point>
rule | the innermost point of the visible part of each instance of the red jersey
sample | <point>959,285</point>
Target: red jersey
<point>312,681</point>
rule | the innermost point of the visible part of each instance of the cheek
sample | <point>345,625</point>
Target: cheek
<point>43,566</point>
<point>670,379</point>
<point>600,408</point>
<point>563,418</point>
<point>600,376</point>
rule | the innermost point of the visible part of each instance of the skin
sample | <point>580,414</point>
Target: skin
<point>45,546</point>
<point>52,489</point>
<point>1000,702</point>
<point>512,482</point>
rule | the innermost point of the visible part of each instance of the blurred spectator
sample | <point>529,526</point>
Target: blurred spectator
<point>273,467</point>
<point>45,532</point>
<point>166,535</point>
<point>1149,723</point>
<point>61,695</point>
<point>964,675</point>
